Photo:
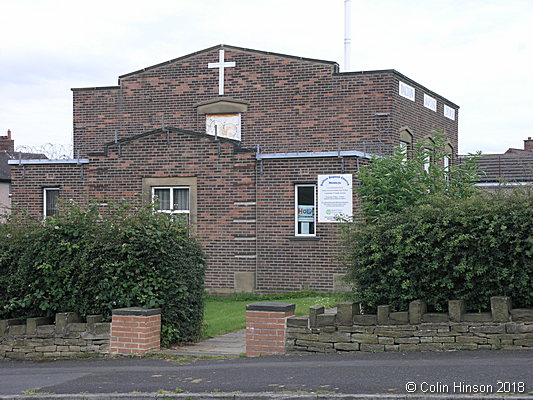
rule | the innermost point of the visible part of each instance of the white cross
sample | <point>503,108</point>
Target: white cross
<point>221,65</point>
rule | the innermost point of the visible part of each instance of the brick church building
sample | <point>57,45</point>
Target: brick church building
<point>257,151</point>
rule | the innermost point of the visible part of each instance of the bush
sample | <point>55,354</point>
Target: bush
<point>392,183</point>
<point>471,249</point>
<point>89,264</point>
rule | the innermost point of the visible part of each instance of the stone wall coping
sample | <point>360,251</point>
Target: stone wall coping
<point>271,306</point>
<point>137,311</point>
<point>414,330</point>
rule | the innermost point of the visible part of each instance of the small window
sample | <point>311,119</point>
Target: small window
<point>446,164</point>
<point>305,210</point>
<point>406,141</point>
<point>427,159</point>
<point>172,200</point>
<point>447,161</point>
<point>404,148</point>
<point>50,202</point>
<point>407,91</point>
<point>449,112</point>
<point>430,102</point>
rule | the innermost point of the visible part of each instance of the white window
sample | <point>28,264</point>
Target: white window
<point>430,102</point>
<point>407,91</point>
<point>446,163</point>
<point>172,200</point>
<point>305,210</point>
<point>449,112</point>
<point>50,202</point>
<point>404,148</point>
<point>427,159</point>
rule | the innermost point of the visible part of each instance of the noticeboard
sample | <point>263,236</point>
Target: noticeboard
<point>335,197</point>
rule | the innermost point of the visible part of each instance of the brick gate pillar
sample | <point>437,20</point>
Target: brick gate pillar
<point>265,327</point>
<point>135,330</point>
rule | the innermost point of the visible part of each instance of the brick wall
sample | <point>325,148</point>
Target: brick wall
<point>345,329</point>
<point>265,327</point>
<point>294,104</point>
<point>245,209</point>
<point>6,143</point>
<point>135,330</point>
<point>28,182</point>
<point>132,331</point>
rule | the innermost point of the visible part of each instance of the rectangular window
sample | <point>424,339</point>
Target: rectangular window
<point>446,164</point>
<point>427,159</point>
<point>305,210</point>
<point>172,200</point>
<point>449,112</point>
<point>404,148</point>
<point>407,91</point>
<point>50,202</point>
<point>430,102</point>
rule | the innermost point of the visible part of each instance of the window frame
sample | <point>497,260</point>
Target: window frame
<point>45,203</point>
<point>171,200</point>
<point>315,209</point>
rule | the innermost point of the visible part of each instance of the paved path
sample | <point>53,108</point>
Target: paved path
<point>230,344</point>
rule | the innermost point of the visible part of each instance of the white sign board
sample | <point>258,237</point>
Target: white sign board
<point>335,197</point>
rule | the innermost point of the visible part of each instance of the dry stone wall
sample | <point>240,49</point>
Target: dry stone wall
<point>67,336</point>
<point>346,329</point>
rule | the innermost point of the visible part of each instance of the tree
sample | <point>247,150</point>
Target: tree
<point>390,184</point>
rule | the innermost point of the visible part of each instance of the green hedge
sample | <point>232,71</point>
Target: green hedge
<point>85,263</point>
<point>468,249</point>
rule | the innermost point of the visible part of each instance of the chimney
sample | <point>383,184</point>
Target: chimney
<point>528,144</point>
<point>6,143</point>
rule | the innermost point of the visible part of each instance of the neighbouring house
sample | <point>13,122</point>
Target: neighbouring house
<point>7,152</point>
<point>257,151</point>
<point>510,169</point>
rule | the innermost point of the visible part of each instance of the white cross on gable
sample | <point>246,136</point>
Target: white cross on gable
<point>221,65</point>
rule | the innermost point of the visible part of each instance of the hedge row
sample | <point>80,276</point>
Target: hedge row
<point>468,249</point>
<point>85,263</point>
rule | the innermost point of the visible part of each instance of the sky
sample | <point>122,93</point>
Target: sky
<point>476,53</point>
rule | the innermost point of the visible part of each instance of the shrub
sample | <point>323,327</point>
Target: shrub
<point>90,264</point>
<point>392,183</point>
<point>441,249</point>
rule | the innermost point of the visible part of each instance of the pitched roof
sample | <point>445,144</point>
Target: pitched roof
<point>508,167</point>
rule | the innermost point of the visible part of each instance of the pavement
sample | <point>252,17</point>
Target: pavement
<point>231,344</point>
<point>419,375</point>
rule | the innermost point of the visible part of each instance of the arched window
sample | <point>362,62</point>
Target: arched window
<point>406,142</point>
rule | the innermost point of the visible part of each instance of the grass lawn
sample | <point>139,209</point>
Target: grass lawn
<point>228,314</point>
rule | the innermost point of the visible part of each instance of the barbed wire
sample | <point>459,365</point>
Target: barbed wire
<point>50,150</point>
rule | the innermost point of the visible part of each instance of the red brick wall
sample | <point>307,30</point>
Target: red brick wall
<point>135,333</point>
<point>285,261</point>
<point>7,144</point>
<point>28,182</point>
<point>265,332</point>
<point>421,120</point>
<point>294,105</point>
